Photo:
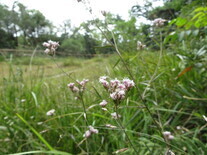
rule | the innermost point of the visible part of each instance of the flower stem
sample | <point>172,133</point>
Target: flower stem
<point>123,129</point>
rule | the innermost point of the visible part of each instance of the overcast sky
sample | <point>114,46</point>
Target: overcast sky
<point>58,11</point>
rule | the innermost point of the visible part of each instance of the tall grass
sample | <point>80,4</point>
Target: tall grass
<point>31,93</point>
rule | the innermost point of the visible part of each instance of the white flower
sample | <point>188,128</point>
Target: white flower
<point>115,116</point>
<point>103,103</point>
<point>51,112</point>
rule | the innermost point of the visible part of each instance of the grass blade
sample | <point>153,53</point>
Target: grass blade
<point>36,133</point>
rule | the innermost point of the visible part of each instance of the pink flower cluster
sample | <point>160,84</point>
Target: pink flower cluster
<point>51,47</point>
<point>80,87</point>
<point>159,22</point>
<point>117,88</point>
<point>89,132</point>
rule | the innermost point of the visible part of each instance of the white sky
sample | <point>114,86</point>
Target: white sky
<point>58,11</point>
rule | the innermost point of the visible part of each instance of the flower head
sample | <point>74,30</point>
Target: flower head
<point>118,95</point>
<point>80,87</point>
<point>117,88</point>
<point>128,83</point>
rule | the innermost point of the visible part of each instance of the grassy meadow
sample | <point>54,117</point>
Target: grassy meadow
<point>164,100</point>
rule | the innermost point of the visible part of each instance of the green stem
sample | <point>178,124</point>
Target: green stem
<point>123,129</point>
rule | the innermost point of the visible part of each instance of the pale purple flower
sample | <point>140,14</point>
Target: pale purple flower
<point>168,135</point>
<point>46,44</point>
<point>118,95</point>
<point>115,115</point>
<point>87,134</point>
<point>83,82</point>
<point>75,89</point>
<point>80,87</point>
<point>117,88</point>
<point>71,85</point>
<point>50,112</point>
<point>47,51</point>
<point>121,86</point>
<point>159,22</point>
<point>103,103</point>
<point>104,83</point>
<point>114,83</point>
<point>91,131</point>
<point>128,83</point>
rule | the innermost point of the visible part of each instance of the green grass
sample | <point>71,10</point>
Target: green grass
<point>43,86</point>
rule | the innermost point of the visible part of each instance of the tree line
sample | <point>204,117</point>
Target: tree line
<point>23,28</point>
